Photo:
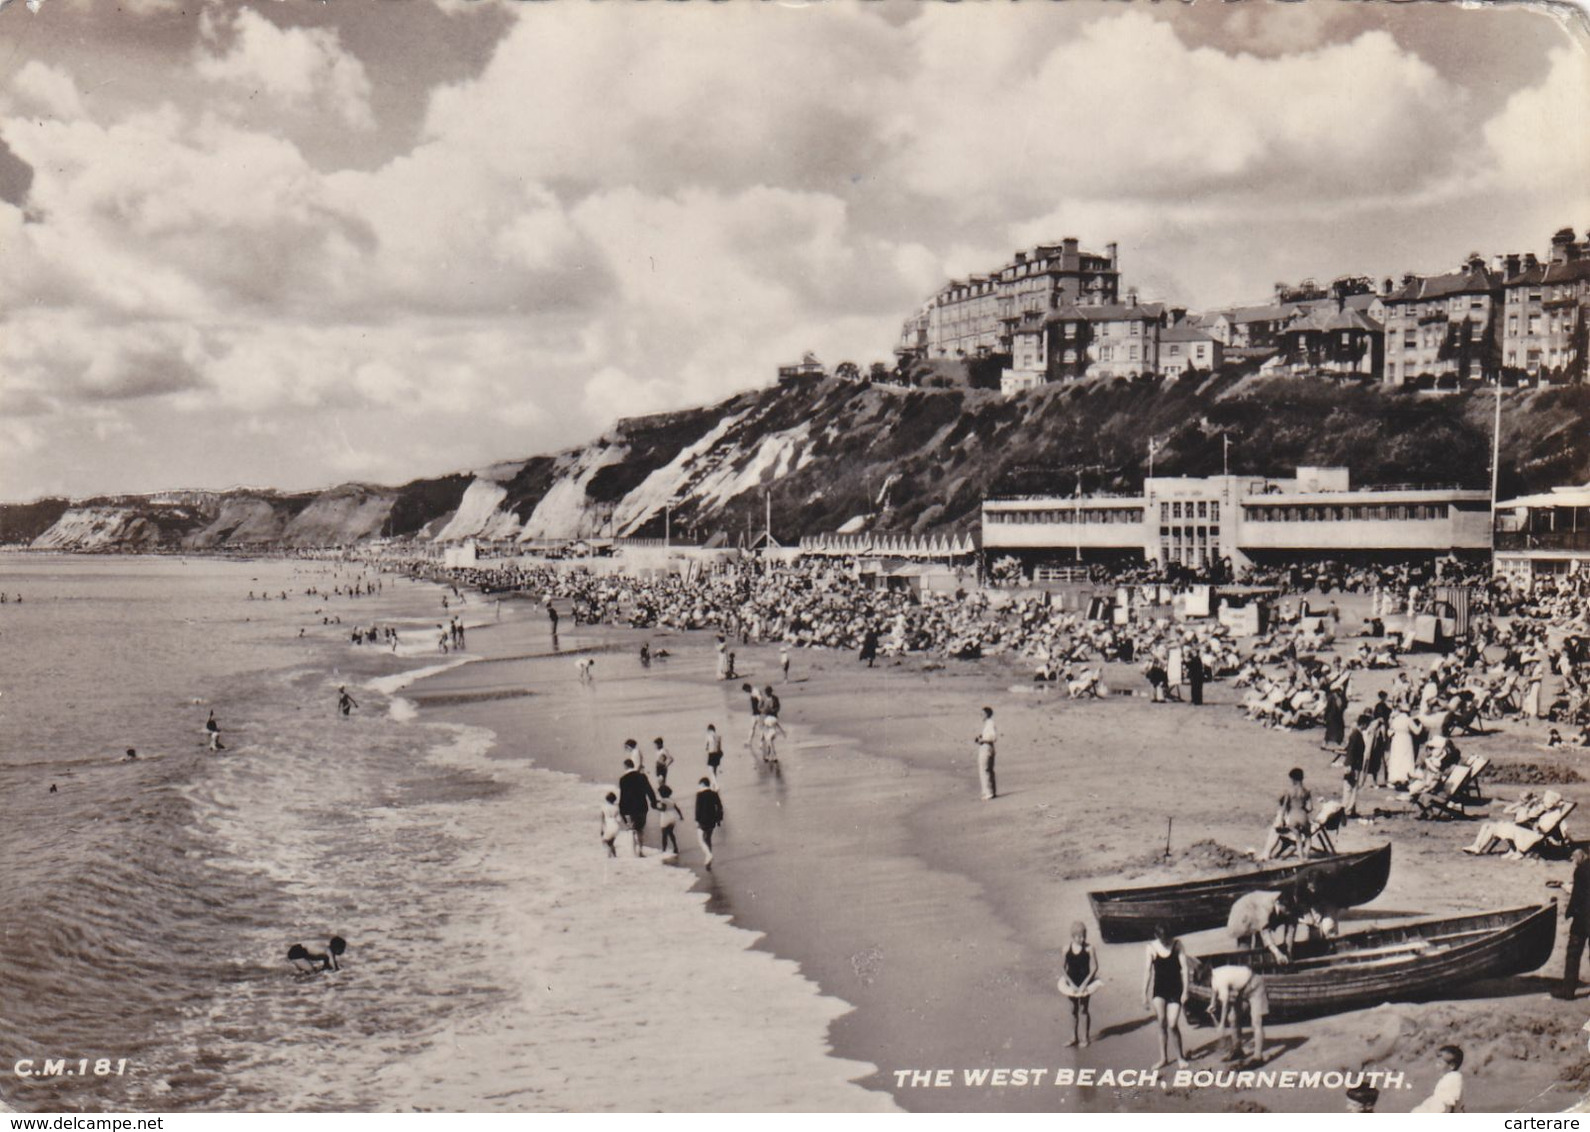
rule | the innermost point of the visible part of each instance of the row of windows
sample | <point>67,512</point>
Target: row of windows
<point>1091,516</point>
<point>1395,512</point>
<point>1206,509</point>
<point>1188,534</point>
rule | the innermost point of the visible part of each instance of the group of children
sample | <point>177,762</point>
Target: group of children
<point>1236,991</point>
<point>629,806</point>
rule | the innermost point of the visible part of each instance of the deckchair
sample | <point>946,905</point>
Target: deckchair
<point>1317,841</point>
<point>1554,839</point>
<point>1451,798</point>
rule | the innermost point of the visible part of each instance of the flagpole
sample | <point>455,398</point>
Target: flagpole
<point>1496,458</point>
<point>1078,523</point>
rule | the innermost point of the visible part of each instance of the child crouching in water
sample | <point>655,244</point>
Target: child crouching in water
<point>1079,981</point>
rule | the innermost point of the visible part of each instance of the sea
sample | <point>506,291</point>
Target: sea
<point>497,960</point>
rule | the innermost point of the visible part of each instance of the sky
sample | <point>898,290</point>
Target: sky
<point>294,244</point>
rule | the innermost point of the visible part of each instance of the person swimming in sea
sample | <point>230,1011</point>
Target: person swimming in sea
<point>304,960</point>
<point>132,755</point>
<point>345,702</point>
<point>212,729</point>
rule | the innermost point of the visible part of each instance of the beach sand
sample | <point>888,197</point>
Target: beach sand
<point>873,863</point>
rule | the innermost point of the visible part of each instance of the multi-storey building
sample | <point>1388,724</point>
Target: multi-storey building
<point>1253,328</point>
<point>1444,327</point>
<point>1184,347</point>
<point>1545,308</point>
<point>1544,535</point>
<point>1196,521</point>
<point>1339,343</point>
<point>978,316</point>
<point>1100,340</point>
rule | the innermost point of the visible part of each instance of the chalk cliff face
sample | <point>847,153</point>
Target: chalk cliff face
<point>833,455</point>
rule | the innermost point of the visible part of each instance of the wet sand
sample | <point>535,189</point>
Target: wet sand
<point>873,863</point>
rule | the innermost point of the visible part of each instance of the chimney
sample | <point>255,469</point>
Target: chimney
<point>1113,252</point>
<point>1530,262</point>
<point>1476,262</point>
<point>1178,315</point>
<point>1069,246</point>
<point>1513,264</point>
<point>1021,257</point>
<point>1562,246</point>
<point>1131,296</point>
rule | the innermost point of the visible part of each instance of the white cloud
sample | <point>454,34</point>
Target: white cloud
<point>646,207</point>
<point>302,68</point>
<point>43,90</point>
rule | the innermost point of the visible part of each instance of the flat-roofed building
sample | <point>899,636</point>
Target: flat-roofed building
<point>1544,535</point>
<point>1197,521</point>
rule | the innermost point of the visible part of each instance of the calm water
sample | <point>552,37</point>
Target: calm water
<point>147,906</point>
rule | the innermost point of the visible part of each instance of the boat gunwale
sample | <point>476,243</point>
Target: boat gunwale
<point>1214,885</point>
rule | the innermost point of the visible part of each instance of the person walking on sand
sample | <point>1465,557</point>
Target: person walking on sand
<point>709,816</point>
<point>1195,676</point>
<point>1353,758</point>
<point>714,751</point>
<point>345,702</point>
<point>636,800</point>
<point>1578,916</point>
<point>869,646</point>
<point>986,738</point>
<point>1165,983</point>
<point>1078,980</point>
<point>783,661</point>
<point>671,816</point>
<point>756,717</point>
<point>611,823</point>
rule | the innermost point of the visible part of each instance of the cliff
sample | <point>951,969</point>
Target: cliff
<point>835,454</point>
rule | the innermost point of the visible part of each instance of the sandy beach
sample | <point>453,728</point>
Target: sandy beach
<point>873,864</point>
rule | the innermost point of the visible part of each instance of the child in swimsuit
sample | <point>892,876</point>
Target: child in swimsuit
<point>610,823</point>
<point>670,816</point>
<point>1078,983</point>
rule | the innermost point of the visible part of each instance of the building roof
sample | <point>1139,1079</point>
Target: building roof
<point>1275,312</point>
<point>1569,272</point>
<point>1107,312</point>
<point>1181,332</point>
<point>1328,320</point>
<point>1465,281</point>
<point>1556,497</point>
<point>1360,302</point>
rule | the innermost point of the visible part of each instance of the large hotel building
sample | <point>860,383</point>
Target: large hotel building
<point>1248,520</point>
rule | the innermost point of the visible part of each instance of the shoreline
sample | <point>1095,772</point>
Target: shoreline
<point>940,918</point>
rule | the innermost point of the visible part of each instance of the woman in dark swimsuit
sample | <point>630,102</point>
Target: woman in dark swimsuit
<point>1165,992</point>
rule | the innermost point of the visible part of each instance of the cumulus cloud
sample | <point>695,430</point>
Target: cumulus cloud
<point>643,207</point>
<point>42,90</point>
<point>302,68</point>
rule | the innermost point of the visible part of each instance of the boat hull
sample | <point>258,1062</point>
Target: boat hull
<point>1366,969</point>
<point>1129,914</point>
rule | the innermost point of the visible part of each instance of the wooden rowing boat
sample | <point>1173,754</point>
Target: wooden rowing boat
<point>1127,914</point>
<point>1419,960</point>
